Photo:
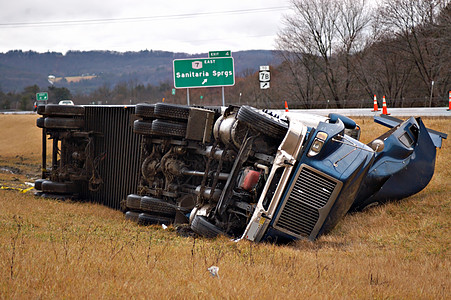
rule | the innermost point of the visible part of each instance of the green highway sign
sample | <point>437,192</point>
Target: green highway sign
<point>204,72</point>
<point>43,96</point>
<point>220,53</point>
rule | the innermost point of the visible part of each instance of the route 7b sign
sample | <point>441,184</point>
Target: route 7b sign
<point>204,72</point>
<point>264,77</point>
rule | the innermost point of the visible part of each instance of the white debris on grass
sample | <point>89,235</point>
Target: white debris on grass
<point>214,271</point>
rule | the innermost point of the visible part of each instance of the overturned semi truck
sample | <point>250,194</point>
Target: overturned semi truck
<point>235,171</point>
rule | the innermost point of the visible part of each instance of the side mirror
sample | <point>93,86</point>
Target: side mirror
<point>377,145</point>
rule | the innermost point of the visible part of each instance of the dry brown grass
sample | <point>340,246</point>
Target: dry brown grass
<point>53,249</point>
<point>20,150</point>
<point>20,136</point>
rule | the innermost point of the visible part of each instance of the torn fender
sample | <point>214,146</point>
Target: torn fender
<point>404,167</point>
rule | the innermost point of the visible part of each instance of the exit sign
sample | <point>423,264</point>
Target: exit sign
<point>204,72</point>
<point>220,53</point>
<point>43,96</point>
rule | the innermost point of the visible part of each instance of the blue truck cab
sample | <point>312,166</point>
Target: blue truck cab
<point>321,170</point>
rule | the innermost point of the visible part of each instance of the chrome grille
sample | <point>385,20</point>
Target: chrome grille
<point>311,191</point>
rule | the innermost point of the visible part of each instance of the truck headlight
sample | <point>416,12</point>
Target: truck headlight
<point>317,144</point>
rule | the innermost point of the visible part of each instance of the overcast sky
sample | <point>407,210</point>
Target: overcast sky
<point>133,25</point>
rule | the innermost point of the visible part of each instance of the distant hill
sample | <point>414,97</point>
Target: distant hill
<point>19,69</point>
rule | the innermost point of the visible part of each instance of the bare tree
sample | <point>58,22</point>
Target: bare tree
<point>393,71</point>
<point>443,27</point>
<point>351,26</point>
<point>299,75</point>
<point>102,94</point>
<point>415,23</point>
<point>323,35</point>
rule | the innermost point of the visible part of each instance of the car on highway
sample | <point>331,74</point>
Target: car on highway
<point>66,102</point>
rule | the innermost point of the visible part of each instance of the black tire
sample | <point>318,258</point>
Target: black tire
<point>201,226</point>
<point>157,206</point>
<point>167,128</point>
<point>132,216</point>
<point>40,110</point>
<point>145,110</point>
<point>185,230</point>
<point>64,110</point>
<point>146,219</point>
<point>142,127</point>
<point>38,184</point>
<point>62,197</point>
<point>263,122</point>
<point>63,123</point>
<point>171,111</point>
<point>59,187</point>
<point>40,122</point>
<point>133,202</point>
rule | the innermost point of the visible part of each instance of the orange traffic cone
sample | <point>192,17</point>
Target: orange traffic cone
<point>384,106</point>
<point>375,104</point>
<point>449,102</point>
<point>286,106</point>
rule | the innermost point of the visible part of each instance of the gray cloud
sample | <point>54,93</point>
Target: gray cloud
<point>138,25</point>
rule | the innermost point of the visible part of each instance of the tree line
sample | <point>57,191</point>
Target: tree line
<point>25,100</point>
<point>344,50</point>
<point>334,53</point>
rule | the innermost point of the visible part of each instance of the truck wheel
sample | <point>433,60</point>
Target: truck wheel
<point>132,216</point>
<point>157,206</point>
<point>63,123</point>
<point>203,227</point>
<point>167,128</point>
<point>146,219</point>
<point>133,202</point>
<point>40,122</point>
<point>38,184</point>
<point>172,111</point>
<point>145,110</point>
<point>142,127</point>
<point>64,110</point>
<point>41,109</point>
<point>59,187</point>
<point>263,122</point>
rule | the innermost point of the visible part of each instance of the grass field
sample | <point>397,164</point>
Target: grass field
<point>54,249</point>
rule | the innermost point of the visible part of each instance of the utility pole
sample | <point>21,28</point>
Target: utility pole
<point>432,90</point>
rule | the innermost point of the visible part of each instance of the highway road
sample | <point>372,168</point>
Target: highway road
<point>352,112</point>
<point>367,112</point>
